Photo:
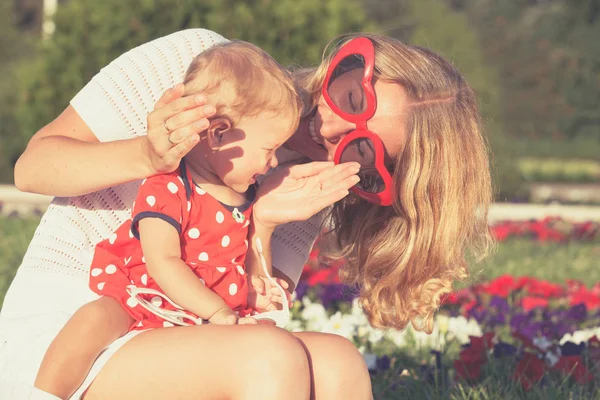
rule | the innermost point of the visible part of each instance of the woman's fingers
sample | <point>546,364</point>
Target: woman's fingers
<point>309,169</point>
<point>169,95</point>
<point>339,182</point>
<point>338,172</point>
<point>194,120</point>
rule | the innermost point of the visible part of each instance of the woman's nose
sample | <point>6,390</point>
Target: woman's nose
<point>274,162</point>
<point>334,128</point>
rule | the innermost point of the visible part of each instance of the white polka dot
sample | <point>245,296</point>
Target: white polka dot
<point>144,279</point>
<point>172,187</point>
<point>100,286</point>
<point>225,241</point>
<point>246,243</point>
<point>156,301</point>
<point>232,289</point>
<point>96,271</point>
<point>240,269</point>
<point>199,191</point>
<point>220,217</point>
<point>180,180</point>
<point>246,223</point>
<point>167,324</point>
<point>189,206</point>
<point>144,181</point>
<point>112,238</point>
<point>151,200</point>
<point>110,269</point>
<point>221,269</point>
<point>130,234</point>
<point>133,205</point>
<point>202,281</point>
<point>139,324</point>
<point>203,256</point>
<point>144,259</point>
<point>131,302</point>
<point>194,233</point>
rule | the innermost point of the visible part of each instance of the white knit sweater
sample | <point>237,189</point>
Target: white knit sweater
<point>115,105</point>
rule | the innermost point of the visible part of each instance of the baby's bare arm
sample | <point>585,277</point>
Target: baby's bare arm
<point>162,250</point>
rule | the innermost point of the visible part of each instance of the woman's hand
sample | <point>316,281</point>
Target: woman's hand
<point>263,296</point>
<point>298,192</point>
<point>174,128</point>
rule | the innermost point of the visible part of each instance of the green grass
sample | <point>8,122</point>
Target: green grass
<point>15,234</point>
<point>551,261</point>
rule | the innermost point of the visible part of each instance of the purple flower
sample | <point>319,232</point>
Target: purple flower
<point>572,349</point>
<point>301,290</point>
<point>577,313</point>
<point>502,349</point>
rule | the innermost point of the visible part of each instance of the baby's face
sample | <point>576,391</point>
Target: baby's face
<point>239,162</point>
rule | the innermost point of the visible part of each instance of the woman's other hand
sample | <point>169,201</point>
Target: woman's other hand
<point>297,192</point>
<point>174,128</point>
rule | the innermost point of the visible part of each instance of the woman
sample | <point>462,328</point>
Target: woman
<point>426,119</point>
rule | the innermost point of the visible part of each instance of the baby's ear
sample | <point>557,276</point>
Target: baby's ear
<point>218,126</point>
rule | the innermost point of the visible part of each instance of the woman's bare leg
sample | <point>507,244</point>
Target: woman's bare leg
<point>70,356</point>
<point>338,370</point>
<point>206,362</point>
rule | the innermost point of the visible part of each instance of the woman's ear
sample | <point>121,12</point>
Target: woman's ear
<point>214,134</point>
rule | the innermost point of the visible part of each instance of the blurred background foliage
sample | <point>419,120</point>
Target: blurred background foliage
<point>535,64</point>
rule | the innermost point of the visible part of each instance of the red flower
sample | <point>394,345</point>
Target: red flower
<point>573,365</point>
<point>529,303</point>
<point>546,355</point>
<point>530,370</point>
<point>502,286</point>
<point>544,288</point>
<point>474,356</point>
<point>585,296</point>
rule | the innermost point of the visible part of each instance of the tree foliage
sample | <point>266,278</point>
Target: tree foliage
<point>14,46</point>
<point>89,34</point>
<point>548,57</point>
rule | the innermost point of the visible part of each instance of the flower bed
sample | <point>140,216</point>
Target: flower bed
<point>527,331</point>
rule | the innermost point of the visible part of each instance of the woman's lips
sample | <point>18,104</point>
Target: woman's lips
<point>313,132</point>
<point>304,143</point>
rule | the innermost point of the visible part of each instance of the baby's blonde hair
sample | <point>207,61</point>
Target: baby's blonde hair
<point>404,258</point>
<point>241,80</point>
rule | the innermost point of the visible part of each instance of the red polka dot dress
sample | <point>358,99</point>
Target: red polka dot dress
<point>213,244</point>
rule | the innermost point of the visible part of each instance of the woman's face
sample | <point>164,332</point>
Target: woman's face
<point>319,133</point>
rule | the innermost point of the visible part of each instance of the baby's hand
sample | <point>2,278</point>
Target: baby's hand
<point>247,321</point>
<point>224,316</point>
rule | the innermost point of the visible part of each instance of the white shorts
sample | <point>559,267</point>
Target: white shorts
<point>36,307</point>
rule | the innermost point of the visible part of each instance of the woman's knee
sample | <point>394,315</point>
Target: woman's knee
<point>280,361</point>
<point>279,349</point>
<point>342,369</point>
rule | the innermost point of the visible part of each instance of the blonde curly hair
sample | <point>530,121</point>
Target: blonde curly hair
<point>405,257</point>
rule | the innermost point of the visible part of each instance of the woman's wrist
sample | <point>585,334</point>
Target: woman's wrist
<point>144,161</point>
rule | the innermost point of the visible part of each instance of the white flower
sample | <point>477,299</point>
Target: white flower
<point>340,324</point>
<point>461,328</point>
<point>580,336</point>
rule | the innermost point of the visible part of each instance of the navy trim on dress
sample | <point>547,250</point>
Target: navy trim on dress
<point>186,182</point>
<point>250,196</point>
<point>152,214</point>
